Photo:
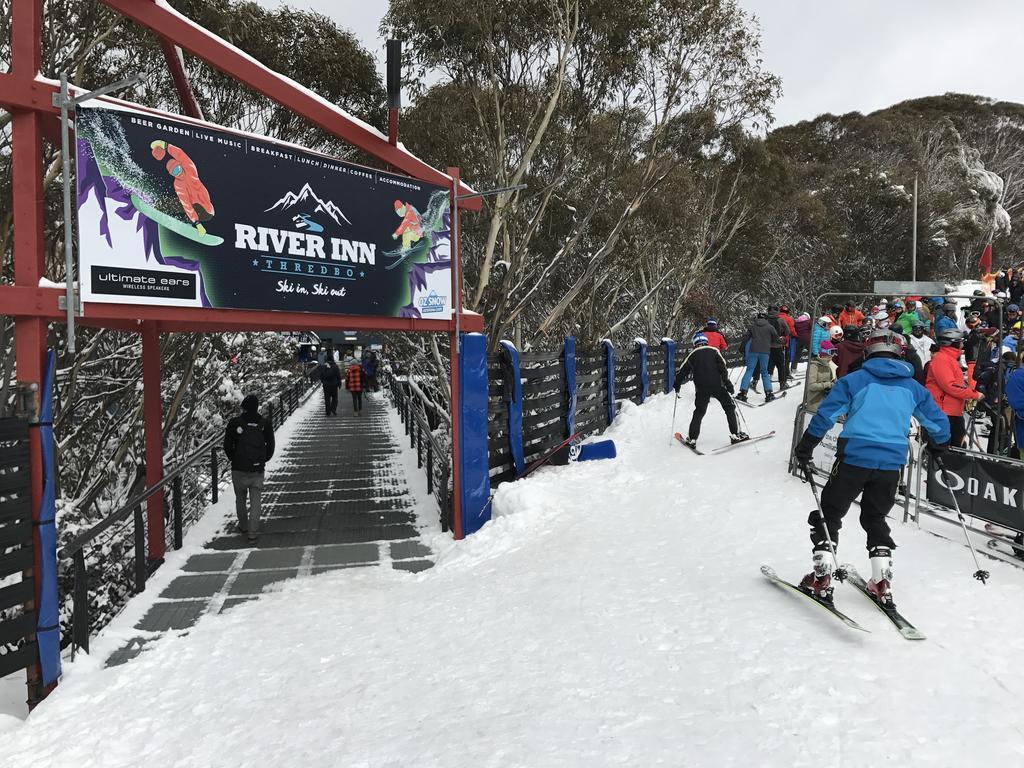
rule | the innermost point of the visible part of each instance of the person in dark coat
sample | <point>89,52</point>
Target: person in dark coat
<point>330,379</point>
<point>249,444</point>
<point>762,335</point>
<point>706,366</point>
<point>850,354</point>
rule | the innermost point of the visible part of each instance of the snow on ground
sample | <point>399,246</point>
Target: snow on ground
<point>612,614</point>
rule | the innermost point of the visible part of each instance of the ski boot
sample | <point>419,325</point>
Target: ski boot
<point>819,581</point>
<point>690,441</point>
<point>880,583</point>
<point>769,396</point>
<point>742,395</point>
<point>739,437</point>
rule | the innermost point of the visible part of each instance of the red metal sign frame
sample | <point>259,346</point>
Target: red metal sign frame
<point>29,98</point>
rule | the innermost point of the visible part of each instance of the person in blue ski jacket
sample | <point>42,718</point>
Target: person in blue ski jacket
<point>947,320</point>
<point>878,400</point>
<point>1015,399</point>
<point>819,333</point>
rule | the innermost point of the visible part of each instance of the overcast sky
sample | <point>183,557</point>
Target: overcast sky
<point>844,55</point>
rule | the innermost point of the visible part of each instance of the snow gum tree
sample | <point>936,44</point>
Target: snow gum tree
<point>595,106</point>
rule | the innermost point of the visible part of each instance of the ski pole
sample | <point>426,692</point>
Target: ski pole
<point>672,434</point>
<point>980,575</point>
<point>840,573</point>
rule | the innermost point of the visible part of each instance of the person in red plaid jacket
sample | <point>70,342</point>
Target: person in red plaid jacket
<point>354,384</point>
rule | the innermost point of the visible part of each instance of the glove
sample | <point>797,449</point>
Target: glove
<point>729,387</point>
<point>805,450</point>
<point>938,450</point>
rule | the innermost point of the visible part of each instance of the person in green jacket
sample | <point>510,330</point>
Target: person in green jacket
<point>909,318</point>
<point>821,375</point>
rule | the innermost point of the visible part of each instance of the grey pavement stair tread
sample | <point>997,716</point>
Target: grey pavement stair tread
<point>178,614</point>
<point>231,602</point>
<point>273,558</point>
<point>202,585</point>
<point>253,582</point>
<point>403,550</point>
<point>413,566</point>
<point>345,554</point>
<point>210,562</point>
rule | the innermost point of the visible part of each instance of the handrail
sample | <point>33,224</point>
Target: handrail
<point>81,540</point>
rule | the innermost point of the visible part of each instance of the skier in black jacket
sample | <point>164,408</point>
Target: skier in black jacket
<point>249,444</point>
<point>706,366</point>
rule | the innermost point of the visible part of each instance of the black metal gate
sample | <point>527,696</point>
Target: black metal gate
<point>16,624</point>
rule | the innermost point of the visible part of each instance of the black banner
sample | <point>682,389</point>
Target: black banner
<point>985,488</point>
<point>182,213</point>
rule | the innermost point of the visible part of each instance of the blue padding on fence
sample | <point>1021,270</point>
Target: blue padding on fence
<point>473,479</point>
<point>569,361</point>
<point>609,374</point>
<point>670,364</point>
<point>48,618</point>
<point>515,407</point>
<point>644,383</point>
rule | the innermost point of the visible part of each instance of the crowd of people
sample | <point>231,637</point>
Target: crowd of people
<point>359,376</point>
<point>876,367</point>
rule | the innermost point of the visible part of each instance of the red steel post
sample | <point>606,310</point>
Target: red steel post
<point>28,250</point>
<point>453,356</point>
<point>153,417</point>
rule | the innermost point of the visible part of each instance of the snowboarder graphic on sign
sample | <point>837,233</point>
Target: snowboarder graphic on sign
<point>411,228</point>
<point>194,197</point>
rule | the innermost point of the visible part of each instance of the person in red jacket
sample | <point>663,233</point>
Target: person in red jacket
<point>354,384</point>
<point>945,382</point>
<point>714,337</point>
<point>192,193</point>
<point>851,316</point>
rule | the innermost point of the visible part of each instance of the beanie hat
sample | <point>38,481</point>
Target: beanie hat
<point>250,404</point>
<point>699,339</point>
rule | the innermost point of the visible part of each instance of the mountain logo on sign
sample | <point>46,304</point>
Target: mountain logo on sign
<point>432,303</point>
<point>306,199</point>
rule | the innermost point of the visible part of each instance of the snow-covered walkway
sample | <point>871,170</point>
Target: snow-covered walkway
<point>612,614</point>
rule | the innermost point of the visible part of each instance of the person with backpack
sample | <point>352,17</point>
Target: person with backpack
<point>330,380</point>
<point>249,445</point>
<point>354,384</point>
<point>947,384</point>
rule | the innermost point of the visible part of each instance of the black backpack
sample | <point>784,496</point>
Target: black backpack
<point>251,447</point>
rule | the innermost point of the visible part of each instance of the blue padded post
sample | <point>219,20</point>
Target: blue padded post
<point>474,483</point>
<point>569,365</point>
<point>515,407</point>
<point>670,364</point>
<point>644,382</point>
<point>609,367</point>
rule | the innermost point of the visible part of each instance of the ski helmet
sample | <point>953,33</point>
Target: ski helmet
<point>835,331</point>
<point>949,337</point>
<point>826,348</point>
<point>883,341</point>
<point>949,308</point>
<point>824,321</point>
<point>699,339</point>
<point>1013,308</point>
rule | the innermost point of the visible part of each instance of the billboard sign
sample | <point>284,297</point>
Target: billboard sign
<point>182,213</point>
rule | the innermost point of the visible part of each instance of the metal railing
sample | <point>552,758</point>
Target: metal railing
<point>431,456</point>
<point>109,534</point>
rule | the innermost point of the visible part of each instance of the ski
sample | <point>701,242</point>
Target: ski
<point>1000,544</point>
<point>744,442</point>
<point>679,436</point>
<point>1003,533</point>
<point>904,627</point>
<point>770,574</point>
<point>564,447</point>
<point>778,396</point>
